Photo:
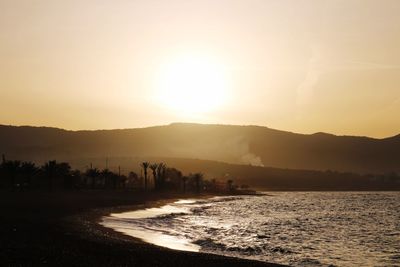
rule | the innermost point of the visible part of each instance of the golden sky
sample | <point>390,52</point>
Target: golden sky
<point>300,65</point>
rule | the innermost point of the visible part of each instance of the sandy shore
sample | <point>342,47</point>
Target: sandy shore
<point>62,229</point>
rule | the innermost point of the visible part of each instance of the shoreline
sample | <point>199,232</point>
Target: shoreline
<point>92,220</point>
<point>62,229</point>
<point>177,244</point>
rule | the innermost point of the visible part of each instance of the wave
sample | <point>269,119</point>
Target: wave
<point>299,229</point>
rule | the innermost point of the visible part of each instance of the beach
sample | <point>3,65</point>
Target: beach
<point>62,229</point>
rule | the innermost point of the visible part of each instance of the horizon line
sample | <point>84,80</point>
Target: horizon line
<point>197,123</point>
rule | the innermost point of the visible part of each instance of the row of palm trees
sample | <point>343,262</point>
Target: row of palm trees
<point>161,174</point>
<point>104,179</point>
<point>24,175</point>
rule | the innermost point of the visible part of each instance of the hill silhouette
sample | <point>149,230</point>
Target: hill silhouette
<point>246,145</point>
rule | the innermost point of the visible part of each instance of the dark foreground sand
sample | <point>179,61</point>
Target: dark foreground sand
<point>61,229</point>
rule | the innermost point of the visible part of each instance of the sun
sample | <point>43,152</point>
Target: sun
<point>192,84</point>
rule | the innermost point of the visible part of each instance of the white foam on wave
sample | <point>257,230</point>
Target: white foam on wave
<point>294,228</point>
<point>150,213</point>
<point>120,222</point>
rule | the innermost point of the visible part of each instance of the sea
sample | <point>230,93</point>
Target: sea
<point>291,228</point>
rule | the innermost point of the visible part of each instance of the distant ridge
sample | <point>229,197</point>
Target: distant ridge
<point>254,145</point>
<point>195,124</point>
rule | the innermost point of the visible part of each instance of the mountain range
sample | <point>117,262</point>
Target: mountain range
<point>243,145</point>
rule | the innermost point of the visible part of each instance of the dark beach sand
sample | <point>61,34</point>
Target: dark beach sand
<point>61,229</point>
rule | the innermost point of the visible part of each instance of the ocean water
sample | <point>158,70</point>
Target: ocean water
<point>294,228</point>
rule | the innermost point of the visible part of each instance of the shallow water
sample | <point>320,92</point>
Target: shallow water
<point>295,228</point>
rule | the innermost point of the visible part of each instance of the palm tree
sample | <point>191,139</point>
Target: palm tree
<point>161,175</point>
<point>145,165</point>
<point>154,167</point>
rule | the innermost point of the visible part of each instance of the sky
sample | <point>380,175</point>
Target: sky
<point>303,66</point>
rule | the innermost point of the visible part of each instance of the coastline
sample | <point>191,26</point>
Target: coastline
<point>93,219</point>
<point>72,235</point>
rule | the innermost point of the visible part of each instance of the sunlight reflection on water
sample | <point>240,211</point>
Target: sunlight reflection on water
<point>155,237</point>
<point>295,228</point>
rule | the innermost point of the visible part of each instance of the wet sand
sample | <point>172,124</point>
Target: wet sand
<point>61,229</point>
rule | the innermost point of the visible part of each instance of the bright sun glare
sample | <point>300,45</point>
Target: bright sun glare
<point>192,84</point>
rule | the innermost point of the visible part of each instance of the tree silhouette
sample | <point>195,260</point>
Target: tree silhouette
<point>153,168</point>
<point>197,179</point>
<point>172,179</point>
<point>11,169</point>
<point>16,174</point>
<point>74,181</point>
<point>28,171</point>
<point>161,169</point>
<point>133,180</point>
<point>106,176</point>
<point>145,165</point>
<point>63,173</point>
<point>184,180</point>
<point>53,170</point>
<point>110,179</point>
<point>63,169</point>
<point>93,173</point>
<point>214,184</point>
<point>49,169</point>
